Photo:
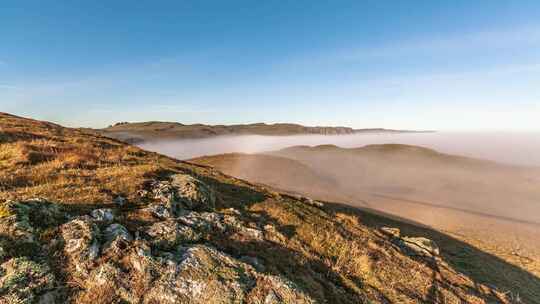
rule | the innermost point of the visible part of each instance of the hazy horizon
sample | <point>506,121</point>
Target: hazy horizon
<point>517,148</point>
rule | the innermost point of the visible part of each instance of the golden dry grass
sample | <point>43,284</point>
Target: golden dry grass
<point>332,255</point>
<point>39,159</point>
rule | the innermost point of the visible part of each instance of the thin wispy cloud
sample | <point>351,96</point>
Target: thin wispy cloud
<point>8,87</point>
<point>485,40</point>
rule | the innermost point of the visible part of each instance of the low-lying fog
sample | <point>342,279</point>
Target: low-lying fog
<point>514,148</point>
<point>498,205</point>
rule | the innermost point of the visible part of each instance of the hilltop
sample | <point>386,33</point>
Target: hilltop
<point>89,219</point>
<point>154,130</point>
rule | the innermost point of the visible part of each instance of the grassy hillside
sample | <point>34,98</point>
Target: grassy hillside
<point>117,224</point>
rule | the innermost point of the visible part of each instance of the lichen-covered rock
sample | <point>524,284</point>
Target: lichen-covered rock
<point>103,215</point>
<point>204,275</point>
<point>107,278</point>
<point>204,221</point>
<point>392,232</point>
<point>24,281</point>
<point>312,202</point>
<point>81,242</point>
<point>193,193</point>
<point>420,246</point>
<point>116,236</point>
<point>276,290</point>
<point>115,231</point>
<point>21,218</point>
<point>170,233</point>
<point>182,192</point>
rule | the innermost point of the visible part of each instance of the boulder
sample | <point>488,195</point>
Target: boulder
<point>81,242</point>
<point>417,246</point>
<point>193,193</point>
<point>103,215</point>
<point>182,193</point>
<point>204,275</point>
<point>420,246</point>
<point>115,231</point>
<point>391,232</point>
<point>276,290</point>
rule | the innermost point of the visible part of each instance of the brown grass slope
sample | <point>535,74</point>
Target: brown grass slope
<point>335,254</point>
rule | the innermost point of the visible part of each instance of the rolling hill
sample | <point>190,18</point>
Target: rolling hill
<point>154,131</point>
<point>486,204</point>
<point>89,219</point>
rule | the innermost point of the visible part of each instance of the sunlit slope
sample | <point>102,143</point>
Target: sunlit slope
<point>117,224</point>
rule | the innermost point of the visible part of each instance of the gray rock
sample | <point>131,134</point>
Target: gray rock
<point>420,246</point>
<point>120,201</point>
<point>103,215</point>
<point>204,221</point>
<point>115,231</point>
<point>204,275</point>
<point>417,246</point>
<point>81,242</point>
<point>253,261</point>
<point>276,290</point>
<point>169,234</point>
<point>392,232</point>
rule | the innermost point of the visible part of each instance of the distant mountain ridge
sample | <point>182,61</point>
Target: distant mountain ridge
<point>156,130</point>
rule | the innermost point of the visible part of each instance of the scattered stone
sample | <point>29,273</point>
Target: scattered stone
<point>232,211</point>
<point>312,202</point>
<point>120,201</point>
<point>417,246</point>
<point>81,242</point>
<point>164,211</point>
<point>251,233</point>
<point>391,232</point>
<point>253,261</point>
<point>103,215</point>
<point>420,246</point>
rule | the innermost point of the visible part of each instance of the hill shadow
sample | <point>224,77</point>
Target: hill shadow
<point>480,266</point>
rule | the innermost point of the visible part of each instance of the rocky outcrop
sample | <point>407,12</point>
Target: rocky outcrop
<point>416,246</point>
<point>169,260</point>
<point>25,276</point>
<point>81,243</point>
<point>182,192</point>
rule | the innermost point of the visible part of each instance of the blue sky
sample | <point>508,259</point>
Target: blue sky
<point>445,65</point>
